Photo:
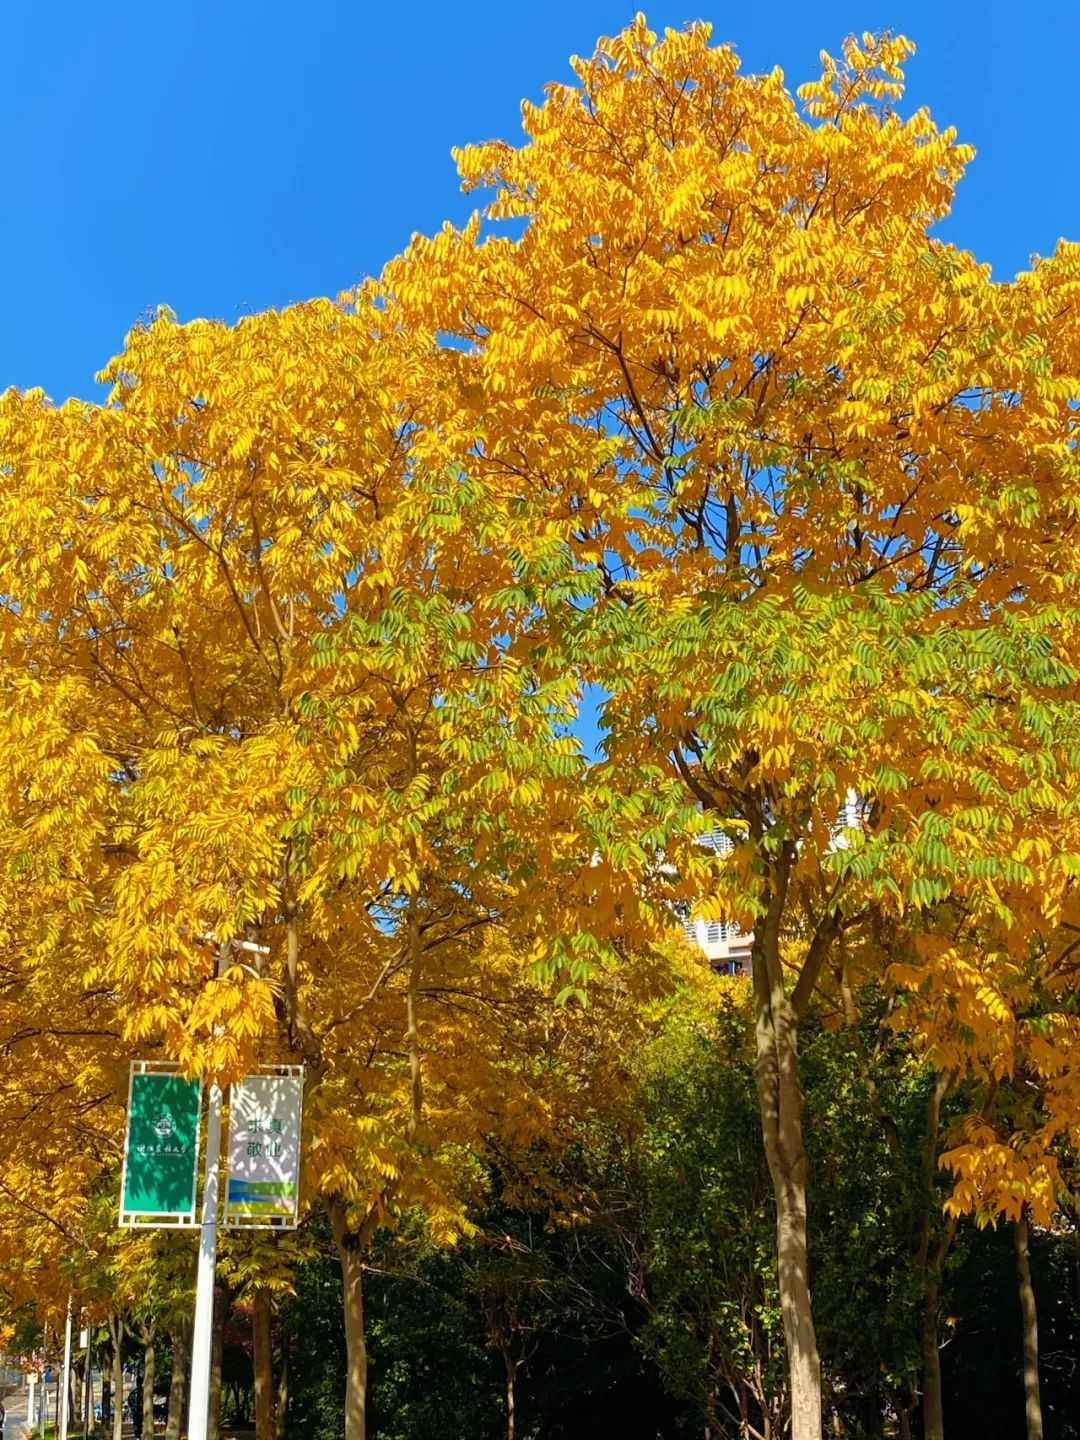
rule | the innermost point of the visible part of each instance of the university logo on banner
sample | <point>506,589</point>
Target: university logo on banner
<point>161,1147</point>
<point>263,1186</point>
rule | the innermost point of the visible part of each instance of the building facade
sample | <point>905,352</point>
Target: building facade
<point>726,947</point>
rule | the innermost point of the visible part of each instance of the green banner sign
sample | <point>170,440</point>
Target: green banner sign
<point>161,1150</point>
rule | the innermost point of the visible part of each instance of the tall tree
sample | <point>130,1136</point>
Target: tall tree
<point>812,474</point>
<point>266,644</point>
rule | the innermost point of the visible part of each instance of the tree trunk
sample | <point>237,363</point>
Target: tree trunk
<point>780,1102</point>
<point>281,1408</point>
<point>222,1306</point>
<point>118,1383</point>
<point>351,1255</point>
<point>930,1263</point>
<point>106,1401</point>
<point>181,1339</point>
<point>1032,1402</point>
<point>509,1397</point>
<point>262,1354</point>
<point>352,1271</point>
<point>148,1389</point>
<point>932,1413</point>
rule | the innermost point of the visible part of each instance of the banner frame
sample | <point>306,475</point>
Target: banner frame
<point>174,1220</point>
<point>265,1222</point>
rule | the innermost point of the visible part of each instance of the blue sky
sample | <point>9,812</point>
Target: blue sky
<point>220,157</point>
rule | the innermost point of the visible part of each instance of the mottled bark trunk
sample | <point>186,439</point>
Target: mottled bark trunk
<point>263,1360</point>
<point>780,1101</point>
<point>148,1388</point>
<point>929,1263</point>
<point>118,1383</point>
<point>281,1407</point>
<point>1032,1400</point>
<point>932,1414</point>
<point>88,1396</point>
<point>181,1339</point>
<point>509,1399</point>
<point>351,1255</point>
<point>352,1273</point>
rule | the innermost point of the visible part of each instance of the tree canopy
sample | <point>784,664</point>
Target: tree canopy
<point>697,413</point>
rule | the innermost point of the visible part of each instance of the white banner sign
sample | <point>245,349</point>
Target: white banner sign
<point>263,1186</point>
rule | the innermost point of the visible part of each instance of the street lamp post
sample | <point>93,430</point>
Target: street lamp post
<point>202,1332</point>
<point>203,1329</point>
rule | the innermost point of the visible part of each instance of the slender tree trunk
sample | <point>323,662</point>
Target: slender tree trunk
<point>510,1418</point>
<point>148,1388</point>
<point>351,1255</point>
<point>780,1101</point>
<point>356,1345</point>
<point>282,1406</point>
<point>933,1405</point>
<point>106,1401</point>
<point>932,1411</point>
<point>181,1339</point>
<point>1032,1402</point>
<point>929,1264</point>
<point>262,1355</point>
<point>116,1335</point>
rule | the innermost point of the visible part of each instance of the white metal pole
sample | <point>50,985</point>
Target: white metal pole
<point>30,1401</point>
<point>88,1382</point>
<point>65,1379</point>
<point>202,1333</point>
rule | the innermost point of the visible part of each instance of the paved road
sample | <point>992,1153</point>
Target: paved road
<point>16,1427</point>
